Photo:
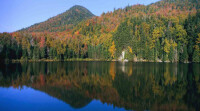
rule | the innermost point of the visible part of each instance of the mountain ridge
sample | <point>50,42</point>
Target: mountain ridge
<point>76,14</point>
<point>65,20</point>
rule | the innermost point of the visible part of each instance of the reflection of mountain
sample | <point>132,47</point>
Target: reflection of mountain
<point>74,98</point>
<point>153,86</point>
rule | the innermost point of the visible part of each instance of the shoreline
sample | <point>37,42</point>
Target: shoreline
<point>87,60</point>
<point>52,60</point>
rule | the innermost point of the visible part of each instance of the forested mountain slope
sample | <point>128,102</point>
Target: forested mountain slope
<point>63,21</point>
<point>168,30</point>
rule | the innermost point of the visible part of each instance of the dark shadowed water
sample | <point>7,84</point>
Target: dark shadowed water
<point>99,86</point>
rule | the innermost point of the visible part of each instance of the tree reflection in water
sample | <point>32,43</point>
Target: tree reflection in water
<point>133,86</point>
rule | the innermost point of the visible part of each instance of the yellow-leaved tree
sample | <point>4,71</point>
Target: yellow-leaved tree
<point>167,46</point>
<point>130,49</point>
<point>112,49</point>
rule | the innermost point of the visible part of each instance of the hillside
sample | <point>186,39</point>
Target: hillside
<point>63,21</point>
<point>168,30</point>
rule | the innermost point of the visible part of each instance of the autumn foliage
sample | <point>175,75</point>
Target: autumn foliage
<point>164,31</point>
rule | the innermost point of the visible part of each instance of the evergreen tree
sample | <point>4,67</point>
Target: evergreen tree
<point>36,53</point>
<point>150,54</point>
<point>196,56</point>
<point>171,54</point>
<point>42,52</point>
<point>178,51</point>
<point>122,37</point>
<point>184,55</point>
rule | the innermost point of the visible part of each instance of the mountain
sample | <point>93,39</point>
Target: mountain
<point>63,21</point>
<point>108,22</point>
<point>168,30</point>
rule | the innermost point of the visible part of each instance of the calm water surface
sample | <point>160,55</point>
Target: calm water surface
<point>99,86</point>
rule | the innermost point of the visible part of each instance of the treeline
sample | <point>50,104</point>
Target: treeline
<point>159,38</point>
<point>35,46</point>
<point>162,31</point>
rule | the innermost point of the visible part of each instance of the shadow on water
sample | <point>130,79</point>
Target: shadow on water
<point>133,86</point>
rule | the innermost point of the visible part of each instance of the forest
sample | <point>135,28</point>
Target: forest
<point>166,31</point>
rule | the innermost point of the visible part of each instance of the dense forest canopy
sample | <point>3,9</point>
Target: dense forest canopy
<point>168,30</point>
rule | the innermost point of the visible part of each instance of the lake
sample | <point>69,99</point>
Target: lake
<point>99,86</point>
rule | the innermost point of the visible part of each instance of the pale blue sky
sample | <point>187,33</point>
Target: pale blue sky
<point>17,14</point>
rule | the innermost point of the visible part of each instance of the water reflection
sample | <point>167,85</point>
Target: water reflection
<point>132,86</point>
